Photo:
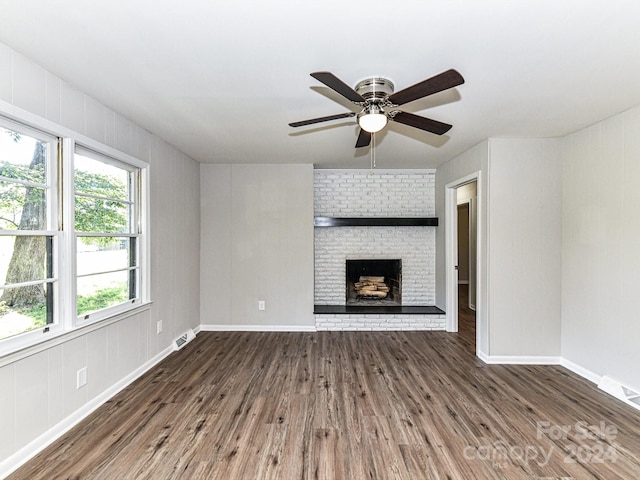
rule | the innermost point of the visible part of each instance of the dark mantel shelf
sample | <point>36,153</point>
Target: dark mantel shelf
<point>375,221</point>
<point>367,310</point>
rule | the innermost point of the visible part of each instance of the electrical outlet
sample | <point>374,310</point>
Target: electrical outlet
<point>159,326</point>
<point>261,305</point>
<point>81,377</point>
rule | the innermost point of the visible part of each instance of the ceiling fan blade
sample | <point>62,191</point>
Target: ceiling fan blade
<point>442,81</point>
<point>423,123</point>
<point>322,119</point>
<point>364,139</point>
<point>337,85</point>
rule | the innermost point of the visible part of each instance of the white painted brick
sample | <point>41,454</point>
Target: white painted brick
<point>333,246</point>
<point>377,194</point>
<point>380,193</point>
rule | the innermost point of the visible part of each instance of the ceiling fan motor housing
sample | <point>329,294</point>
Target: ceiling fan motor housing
<point>375,89</point>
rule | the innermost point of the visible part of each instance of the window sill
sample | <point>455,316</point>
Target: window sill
<point>58,338</point>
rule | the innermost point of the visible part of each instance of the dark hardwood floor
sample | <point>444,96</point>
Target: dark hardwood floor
<point>332,405</point>
<point>466,320</point>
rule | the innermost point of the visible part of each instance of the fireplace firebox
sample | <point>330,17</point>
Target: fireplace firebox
<point>371,282</point>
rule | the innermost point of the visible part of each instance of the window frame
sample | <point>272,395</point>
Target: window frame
<point>61,198</point>
<point>52,230</point>
<point>135,231</point>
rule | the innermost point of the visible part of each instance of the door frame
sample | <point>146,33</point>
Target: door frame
<point>451,254</point>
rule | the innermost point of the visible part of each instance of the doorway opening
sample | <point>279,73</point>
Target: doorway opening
<point>466,265</point>
<point>462,259</point>
<point>466,200</point>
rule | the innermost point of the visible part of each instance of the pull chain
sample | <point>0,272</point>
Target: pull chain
<point>372,152</point>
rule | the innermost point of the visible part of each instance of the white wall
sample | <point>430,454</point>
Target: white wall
<point>524,233</point>
<point>601,235</point>
<point>39,391</point>
<point>257,244</point>
<point>519,228</point>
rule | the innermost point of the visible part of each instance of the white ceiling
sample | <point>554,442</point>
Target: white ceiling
<point>221,80</point>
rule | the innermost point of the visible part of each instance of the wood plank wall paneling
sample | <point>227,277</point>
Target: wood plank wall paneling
<point>347,405</point>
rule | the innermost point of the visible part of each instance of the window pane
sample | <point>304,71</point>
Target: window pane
<point>20,318</point>
<point>24,259</point>
<point>101,216</point>
<point>22,157</point>
<point>101,254</point>
<point>101,291</point>
<point>22,208</point>
<point>99,178</point>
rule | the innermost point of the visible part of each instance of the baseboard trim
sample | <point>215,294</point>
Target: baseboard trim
<point>482,356</point>
<point>257,328</point>
<point>583,372</point>
<point>518,360</point>
<point>540,360</point>
<point>34,447</point>
<point>624,393</point>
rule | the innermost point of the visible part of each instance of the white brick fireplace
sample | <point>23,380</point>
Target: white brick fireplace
<point>413,245</point>
<point>381,193</point>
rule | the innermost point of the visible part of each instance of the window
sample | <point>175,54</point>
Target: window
<point>28,229</point>
<point>107,229</point>
<point>73,248</point>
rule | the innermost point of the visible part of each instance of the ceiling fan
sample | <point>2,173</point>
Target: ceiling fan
<point>375,96</point>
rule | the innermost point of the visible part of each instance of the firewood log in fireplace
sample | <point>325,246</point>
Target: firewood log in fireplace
<point>369,286</point>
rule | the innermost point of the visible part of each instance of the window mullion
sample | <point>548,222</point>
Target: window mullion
<point>50,288</point>
<point>133,266</point>
<point>24,183</point>
<point>67,264</point>
<point>143,243</point>
<point>7,286</point>
<point>28,233</point>
<point>103,272</point>
<point>102,197</point>
<point>54,203</point>
<point>106,234</point>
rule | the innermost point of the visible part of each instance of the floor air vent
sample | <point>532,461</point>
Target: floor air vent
<point>184,339</point>
<point>615,388</point>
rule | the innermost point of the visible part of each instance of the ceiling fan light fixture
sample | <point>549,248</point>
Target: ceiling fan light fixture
<point>373,119</point>
<point>374,94</point>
